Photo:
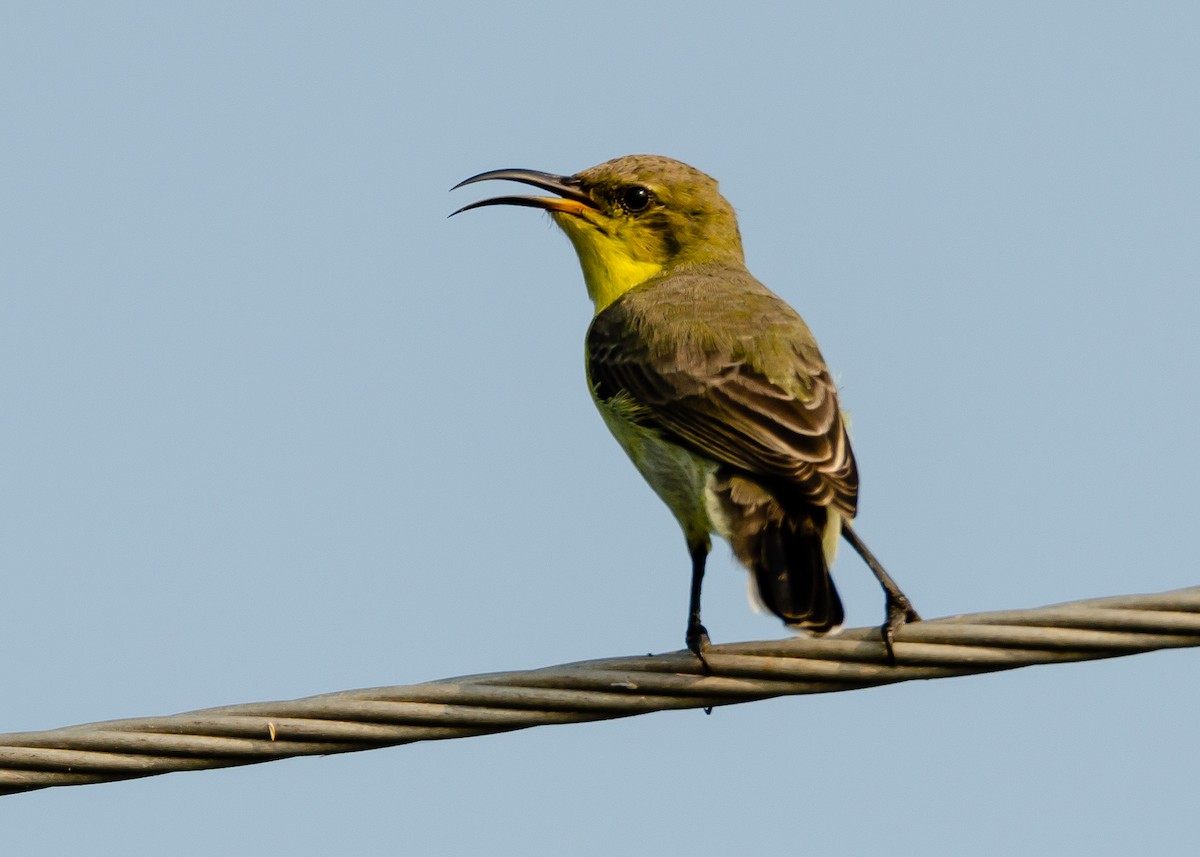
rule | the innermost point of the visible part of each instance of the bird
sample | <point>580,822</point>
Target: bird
<point>712,384</point>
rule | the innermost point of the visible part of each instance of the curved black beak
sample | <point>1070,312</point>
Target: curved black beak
<point>570,200</point>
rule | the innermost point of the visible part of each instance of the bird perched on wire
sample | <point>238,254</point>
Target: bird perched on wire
<point>712,384</point>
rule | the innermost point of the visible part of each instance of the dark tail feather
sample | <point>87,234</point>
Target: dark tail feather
<point>784,552</point>
<point>793,579</point>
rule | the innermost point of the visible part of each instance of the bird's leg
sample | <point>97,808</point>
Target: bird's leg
<point>899,608</point>
<point>697,635</point>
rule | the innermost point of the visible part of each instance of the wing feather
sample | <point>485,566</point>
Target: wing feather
<point>741,383</point>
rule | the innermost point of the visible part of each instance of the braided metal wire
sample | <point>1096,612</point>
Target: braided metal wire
<point>594,690</point>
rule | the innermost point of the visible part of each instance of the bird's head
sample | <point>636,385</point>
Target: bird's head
<point>631,219</point>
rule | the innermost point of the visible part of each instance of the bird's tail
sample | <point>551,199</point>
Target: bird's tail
<point>786,552</point>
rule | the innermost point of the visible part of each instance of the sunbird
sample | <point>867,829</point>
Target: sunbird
<point>712,384</point>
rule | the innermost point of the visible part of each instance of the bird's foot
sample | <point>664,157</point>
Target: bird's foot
<point>698,643</point>
<point>899,612</point>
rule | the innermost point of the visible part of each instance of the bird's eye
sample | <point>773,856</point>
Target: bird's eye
<point>635,198</point>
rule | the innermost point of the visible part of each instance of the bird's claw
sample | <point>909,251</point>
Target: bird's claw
<point>899,612</point>
<point>698,643</point>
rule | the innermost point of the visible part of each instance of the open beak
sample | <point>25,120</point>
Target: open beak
<point>570,199</point>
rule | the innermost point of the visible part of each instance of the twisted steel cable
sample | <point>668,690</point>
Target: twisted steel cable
<point>594,690</point>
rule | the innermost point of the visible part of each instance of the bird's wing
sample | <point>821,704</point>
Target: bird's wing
<point>761,401</point>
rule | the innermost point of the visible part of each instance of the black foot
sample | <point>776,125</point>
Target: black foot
<point>698,643</point>
<point>899,612</point>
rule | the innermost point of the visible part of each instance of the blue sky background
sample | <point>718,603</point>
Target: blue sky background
<point>274,426</point>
